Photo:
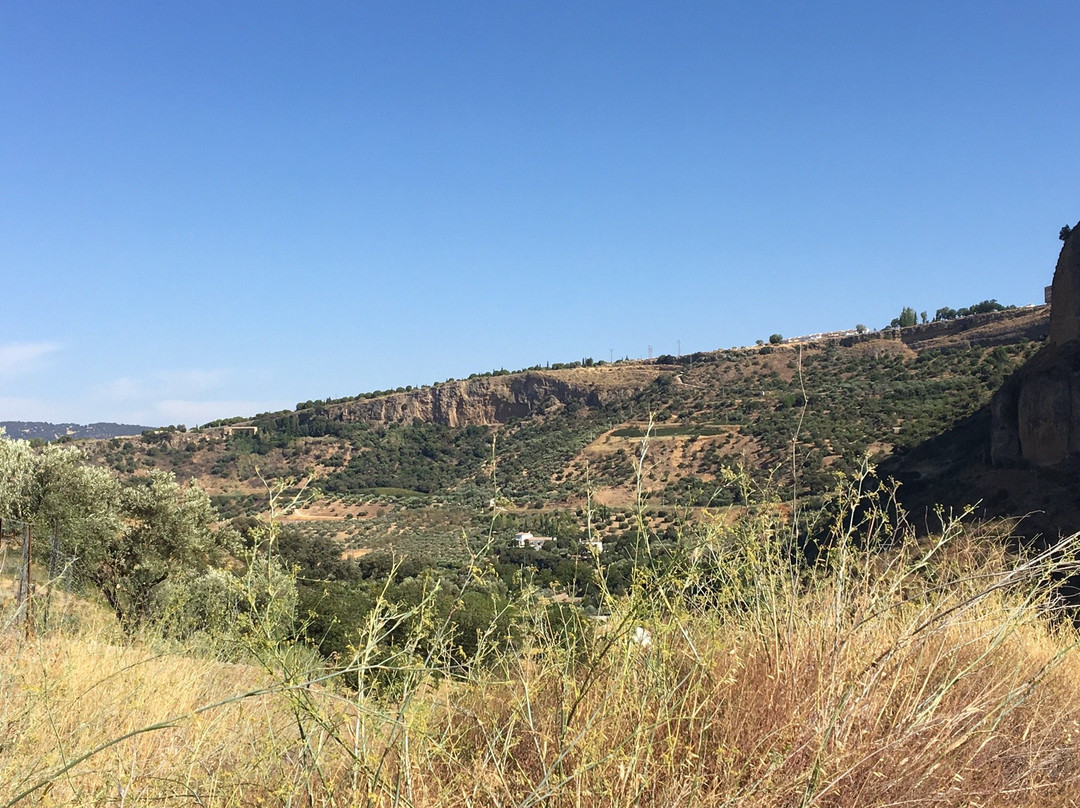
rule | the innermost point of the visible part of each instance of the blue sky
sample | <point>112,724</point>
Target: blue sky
<point>215,209</point>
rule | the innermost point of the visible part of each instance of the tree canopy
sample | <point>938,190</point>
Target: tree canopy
<point>906,319</point>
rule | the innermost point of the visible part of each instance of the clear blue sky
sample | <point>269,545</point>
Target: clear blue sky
<point>214,209</point>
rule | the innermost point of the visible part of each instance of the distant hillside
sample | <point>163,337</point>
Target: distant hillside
<point>29,430</point>
<point>411,469</point>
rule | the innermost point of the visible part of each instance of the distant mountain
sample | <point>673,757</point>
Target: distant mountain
<point>28,430</point>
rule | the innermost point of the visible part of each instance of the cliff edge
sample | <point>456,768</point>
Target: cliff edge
<point>1035,416</point>
<point>497,399</point>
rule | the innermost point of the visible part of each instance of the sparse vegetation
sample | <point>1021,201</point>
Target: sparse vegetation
<point>712,410</point>
<point>985,307</point>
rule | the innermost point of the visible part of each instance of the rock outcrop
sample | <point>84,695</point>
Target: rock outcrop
<point>495,399</point>
<point>1035,415</point>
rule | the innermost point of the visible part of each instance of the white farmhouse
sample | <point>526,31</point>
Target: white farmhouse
<point>535,542</point>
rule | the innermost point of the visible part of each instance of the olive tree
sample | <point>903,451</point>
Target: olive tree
<point>77,499</point>
<point>138,542</point>
<point>55,489</point>
<point>233,613</point>
<point>18,478</point>
<point>168,531</point>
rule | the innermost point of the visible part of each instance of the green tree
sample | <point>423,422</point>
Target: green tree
<point>906,319</point>
<point>236,613</point>
<point>55,488</point>
<point>168,531</point>
<point>19,483</point>
<point>775,339</point>
<point>149,546</point>
<point>79,500</point>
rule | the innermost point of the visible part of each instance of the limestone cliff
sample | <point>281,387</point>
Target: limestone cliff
<point>1035,415</point>
<point>498,399</point>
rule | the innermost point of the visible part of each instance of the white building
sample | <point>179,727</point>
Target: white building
<point>535,542</point>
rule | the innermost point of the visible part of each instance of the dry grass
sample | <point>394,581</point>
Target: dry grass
<point>718,716</point>
<point>856,692</point>
<point>925,674</point>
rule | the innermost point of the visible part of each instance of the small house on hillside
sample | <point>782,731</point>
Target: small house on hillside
<point>528,539</point>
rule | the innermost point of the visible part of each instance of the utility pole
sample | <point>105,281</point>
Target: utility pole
<point>650,352</point>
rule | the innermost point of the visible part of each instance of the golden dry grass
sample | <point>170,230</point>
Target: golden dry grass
<point>928,675</point>
<point>980,710</point>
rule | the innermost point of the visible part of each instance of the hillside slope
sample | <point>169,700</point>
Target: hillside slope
<point>408,469</point>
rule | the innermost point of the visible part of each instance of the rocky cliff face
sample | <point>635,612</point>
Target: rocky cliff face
<point>1036,413</point>
<point>498,399</point>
